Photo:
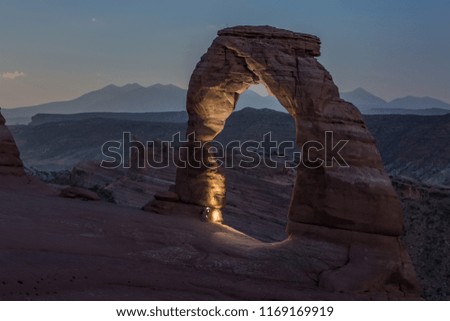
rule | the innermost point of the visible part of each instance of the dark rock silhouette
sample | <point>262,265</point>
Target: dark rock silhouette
<point>10,162</point>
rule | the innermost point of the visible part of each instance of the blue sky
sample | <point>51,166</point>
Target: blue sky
<point>55,49</point>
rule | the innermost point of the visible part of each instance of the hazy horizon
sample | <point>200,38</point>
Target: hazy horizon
<point>258,89</point>
<point>57,50</point>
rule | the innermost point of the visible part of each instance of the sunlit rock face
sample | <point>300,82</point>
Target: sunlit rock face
<point>358,197</point>
<point>10,162</point>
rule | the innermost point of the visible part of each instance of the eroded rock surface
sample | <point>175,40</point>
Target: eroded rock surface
<point>349,204</point>
<point>54,248</point>
<point>359,197</point>
<point>10,162</point>
<point>78,192</point>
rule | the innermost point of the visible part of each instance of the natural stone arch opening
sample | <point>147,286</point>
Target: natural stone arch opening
<point>358,197</point>
<point>258,196</point>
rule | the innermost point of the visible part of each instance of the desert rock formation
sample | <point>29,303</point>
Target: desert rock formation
<point>10,162</point>
<point>359,197</point>
<point>55,248</point>
<point>353,208</point>
<point>343,224</point>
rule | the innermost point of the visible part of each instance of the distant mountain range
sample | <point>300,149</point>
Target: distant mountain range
<point>131,98</point>
<point>368,104</point>
<point>128,98</point>
<point>134,98</point>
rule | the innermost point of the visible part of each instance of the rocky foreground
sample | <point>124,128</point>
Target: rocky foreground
<point>53,248</point>
<point>258,201</point>
<point>57,245</point>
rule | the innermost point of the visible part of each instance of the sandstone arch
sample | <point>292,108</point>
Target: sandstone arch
<point>357,198</point>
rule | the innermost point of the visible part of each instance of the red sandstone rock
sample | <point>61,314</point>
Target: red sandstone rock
<point>167,196</point>
<point>353,209</point>
<point>10,162</point>
<point>359,197</point>
<point>101,251</point>
<point>81,193</point>
<point>344,221</point>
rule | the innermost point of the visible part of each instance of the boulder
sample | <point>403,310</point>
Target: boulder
<point>78,192</point>
<point>167,196</point>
